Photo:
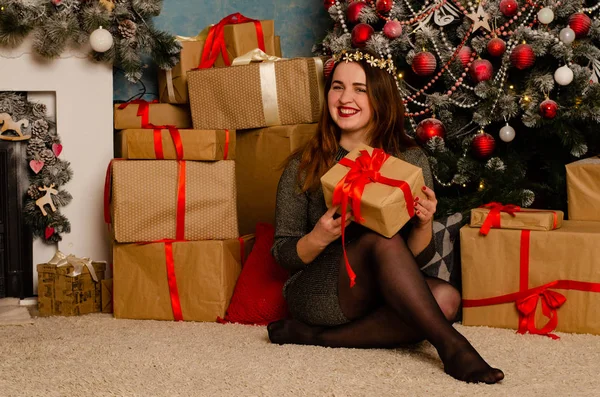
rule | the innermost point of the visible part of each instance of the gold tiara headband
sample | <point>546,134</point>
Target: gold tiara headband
<point>356,56</point>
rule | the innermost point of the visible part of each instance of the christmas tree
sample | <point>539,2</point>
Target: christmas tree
<point>57,24</point>
<point>501,94</point>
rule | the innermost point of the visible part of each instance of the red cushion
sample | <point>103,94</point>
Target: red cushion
<point>257,298</point>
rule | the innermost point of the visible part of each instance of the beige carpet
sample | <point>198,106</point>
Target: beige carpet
<point>97,355</point>
<point>11,313</point>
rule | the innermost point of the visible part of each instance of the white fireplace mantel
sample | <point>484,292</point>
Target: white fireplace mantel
<point>83,92</point>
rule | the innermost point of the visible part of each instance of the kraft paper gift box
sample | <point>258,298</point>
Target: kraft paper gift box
<point>385,208</point>
<point>260,155</point>
<point>513,266</point>
<point>259,94</point>
<point>583,189</point>
<point>197,144</point>
<point>205,273</point>
<point>66,287</point>
<point>157,114</point>
<point>512,217</point>
<point>239,39</point>
<point>146,195</point>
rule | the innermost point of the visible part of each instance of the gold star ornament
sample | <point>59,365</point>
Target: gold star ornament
<point>480,19</point>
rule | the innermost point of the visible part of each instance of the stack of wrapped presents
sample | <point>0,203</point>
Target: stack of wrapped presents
<point>532,271</point>
<point>199,168</point>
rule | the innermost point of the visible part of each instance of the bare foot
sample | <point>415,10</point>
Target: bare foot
<point>288,331</point>
<point>467,365</point>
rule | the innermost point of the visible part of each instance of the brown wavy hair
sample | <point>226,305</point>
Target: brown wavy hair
<point>386,128</point>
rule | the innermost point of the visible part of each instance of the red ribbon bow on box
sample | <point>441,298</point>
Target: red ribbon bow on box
<point>215,41</point>
<point>551,300</point>
<point>493,218</point>
<point>143,109</point>
<point>364,170</point>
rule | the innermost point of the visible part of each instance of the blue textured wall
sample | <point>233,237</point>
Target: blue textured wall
<point>300,23</point>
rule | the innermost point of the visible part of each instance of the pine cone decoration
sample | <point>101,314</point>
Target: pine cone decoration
<point>127,28</point>
<point>48,157</point>
<point>40,128</point>
<point>33,192</point>
<point>34,147</point>
<point>39,110</point>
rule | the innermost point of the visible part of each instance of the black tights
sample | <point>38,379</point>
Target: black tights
<point>392,304</point>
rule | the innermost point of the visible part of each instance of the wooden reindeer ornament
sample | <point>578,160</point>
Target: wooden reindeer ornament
<point>7,124</point>
<point>46,199</point>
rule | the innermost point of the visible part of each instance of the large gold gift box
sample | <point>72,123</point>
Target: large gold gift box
<point>263,94</point>
<point>197,144</point>
<point>158,114</point>
<point>205,272</point>
<point>145,200</point>
<point>239,39</point>
<point>583,189</point>
<point>498,264</point>
<point>67,288</point>
<point>528,219</point>
<point>260,157</point>
<point>382,206</point>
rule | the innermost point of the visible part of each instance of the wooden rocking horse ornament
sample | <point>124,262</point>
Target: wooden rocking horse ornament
<point>7,124</point>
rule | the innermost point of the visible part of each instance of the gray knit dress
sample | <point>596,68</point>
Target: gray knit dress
<point>312,289</point>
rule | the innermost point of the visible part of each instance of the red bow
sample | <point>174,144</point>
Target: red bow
<point>551,300</point>
<point>493,218</point>
<point>364,170</point>
<point>215,41</point>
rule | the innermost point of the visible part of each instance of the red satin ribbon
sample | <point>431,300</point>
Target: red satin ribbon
<point>215,41</point>
<point>492,219</point>
<point>175,136</point>
<point>526,299</point>
<point>364,170</point>
<point>143,109</point>
<point>172,280</point>
<point>226,149</point>
<point>242,250</point>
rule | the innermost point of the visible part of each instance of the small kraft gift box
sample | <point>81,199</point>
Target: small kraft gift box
<point>140,113</point>
<point>70,286</point>
<point>500,216</point>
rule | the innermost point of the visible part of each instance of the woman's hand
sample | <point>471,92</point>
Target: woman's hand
<point>328,228</point>
<point>425,208</point>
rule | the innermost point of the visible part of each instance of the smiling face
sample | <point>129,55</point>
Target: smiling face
<point>348,100</point>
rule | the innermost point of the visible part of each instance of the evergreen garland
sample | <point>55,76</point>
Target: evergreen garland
<point>54,173</point>
<point>58,24</point>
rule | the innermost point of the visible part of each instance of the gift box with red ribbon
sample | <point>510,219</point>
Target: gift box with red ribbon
<point>583,189</point>
<point>534,281</point>
<point>378,190</point>
<point>217,45</point>
<point>150,200</point>
<point>497,215</point>
<point>158,143</point>
<point>140,114</point>
<point>176,280</point>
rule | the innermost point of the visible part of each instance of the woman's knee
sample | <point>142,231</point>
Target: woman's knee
<point>448,299</point>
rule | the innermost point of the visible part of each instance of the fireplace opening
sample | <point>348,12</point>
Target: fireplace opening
<point>16,246</point>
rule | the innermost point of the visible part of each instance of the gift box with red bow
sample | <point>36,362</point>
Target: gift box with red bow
<point>533,281</point>
<point>141,114</point>
<point>500,216</point>
<point>583,189</point>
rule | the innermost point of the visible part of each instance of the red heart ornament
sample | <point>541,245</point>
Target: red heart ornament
<point>49,232</point>
<point>57,149</point>
<point>36,165</point>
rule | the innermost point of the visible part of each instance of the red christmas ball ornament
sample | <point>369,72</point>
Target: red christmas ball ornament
<point>522,57</point>
<point>509,7</point>
<point>392,29</point>
<point>464,54</point>
<point>580,23</point>
<point>328,4</point>
<point>56,2</point>
<point>483,145</point>
<point>481,70</point>
<point>429,128</point>
<point>328,67</point>
<point>548,109</point>
<point>496,47</point>
<point>424,63</point>
<point>361,34</point>
<point>384,6</point>
<point>354,10</point>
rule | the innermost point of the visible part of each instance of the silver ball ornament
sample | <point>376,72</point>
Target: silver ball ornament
<point>563,75</point>
<point>545,15</point>
<point>567,35</point>
<point>101,40</point>
<point>507,133</point>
